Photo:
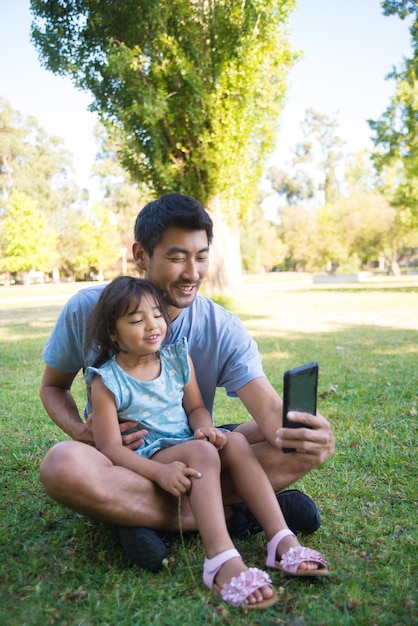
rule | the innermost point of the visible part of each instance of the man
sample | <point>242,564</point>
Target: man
<point>173,235</point>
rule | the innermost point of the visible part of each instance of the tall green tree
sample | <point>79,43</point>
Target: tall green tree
<point>396,132</point>
<point>191,90</point>
<point>27,240</point>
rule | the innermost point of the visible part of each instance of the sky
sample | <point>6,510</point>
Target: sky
<point>348,49</point>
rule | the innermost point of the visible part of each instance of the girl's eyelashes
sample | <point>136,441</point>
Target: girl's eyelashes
<point>156,317</point>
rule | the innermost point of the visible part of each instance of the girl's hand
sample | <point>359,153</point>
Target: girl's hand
<point>175,478</point>
<point>212,434</point>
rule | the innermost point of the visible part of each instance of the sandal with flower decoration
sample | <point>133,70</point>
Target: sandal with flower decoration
<point>239,587</point>
<point>291,559</point>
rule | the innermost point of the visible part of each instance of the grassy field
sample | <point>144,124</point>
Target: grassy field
<point>59,568</point>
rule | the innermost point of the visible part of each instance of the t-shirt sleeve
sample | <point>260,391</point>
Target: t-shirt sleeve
<point>239,359</point>
<point>67,347</point>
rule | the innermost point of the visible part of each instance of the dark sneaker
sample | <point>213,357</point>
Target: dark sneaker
<point>299,511</point>
<point>142,546</point>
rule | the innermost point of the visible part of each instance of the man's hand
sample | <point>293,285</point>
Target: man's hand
<point>316,439</point>
<point>132,437</point>
<point>212,434</point>
<point>84,432</point>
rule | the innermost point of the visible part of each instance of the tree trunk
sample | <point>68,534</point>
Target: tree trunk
<point>395,270</point>
<point>225,268</point>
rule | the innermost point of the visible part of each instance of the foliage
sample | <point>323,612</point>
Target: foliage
<point>98,246</point>
<point>36,193</point>
<point>28,242</point>
<point>59,568</point>
<point>355,222</point>
<point>364,227</point>
<point>321,146</point>
<point>44,224</point>
<point>121,195</point>
<point>190,89</point>
<point>396,132</point>
<point>260,245</point>
<point>295,188</point>
<point>34,163</point>
<point>297,232</point>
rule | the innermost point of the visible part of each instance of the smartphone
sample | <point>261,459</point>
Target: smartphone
<point>300,386</point>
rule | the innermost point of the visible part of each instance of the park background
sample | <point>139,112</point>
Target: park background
<point>319,216</point>
<point>314,199</point>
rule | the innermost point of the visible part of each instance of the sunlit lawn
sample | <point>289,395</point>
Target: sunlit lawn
<point>58,568</point>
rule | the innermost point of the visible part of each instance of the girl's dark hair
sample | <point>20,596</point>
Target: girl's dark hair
<point>116,299</point>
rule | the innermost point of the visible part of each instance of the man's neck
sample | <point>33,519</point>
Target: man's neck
<point>173,312</point>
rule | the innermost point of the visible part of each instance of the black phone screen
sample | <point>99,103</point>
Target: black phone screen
<point>300,386</point>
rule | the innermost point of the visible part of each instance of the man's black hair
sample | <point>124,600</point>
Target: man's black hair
<point>172,209</point>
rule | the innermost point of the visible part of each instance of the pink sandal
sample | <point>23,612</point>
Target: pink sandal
<point>239,587</point>
<point>291,560</point>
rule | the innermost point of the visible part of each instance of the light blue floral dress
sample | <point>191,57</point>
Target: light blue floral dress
<point>155,404</point>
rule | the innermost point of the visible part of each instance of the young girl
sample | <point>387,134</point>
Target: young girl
<point>153,383</point>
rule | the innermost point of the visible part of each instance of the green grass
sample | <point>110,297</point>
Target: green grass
<point>59,568</point>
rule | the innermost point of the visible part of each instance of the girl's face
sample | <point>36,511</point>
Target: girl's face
<point>142,329</point>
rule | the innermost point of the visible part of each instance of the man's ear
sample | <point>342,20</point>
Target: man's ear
<point>139,255</point>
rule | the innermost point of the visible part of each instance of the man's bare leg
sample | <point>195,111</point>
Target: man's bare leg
<point>82,478</point>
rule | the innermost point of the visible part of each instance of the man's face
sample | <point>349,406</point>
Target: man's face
<point>178,266</point>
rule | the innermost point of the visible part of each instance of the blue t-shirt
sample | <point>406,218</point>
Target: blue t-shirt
<point>221,348</point>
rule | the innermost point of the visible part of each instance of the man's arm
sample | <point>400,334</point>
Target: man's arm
<point>61,407</point>
<point>265,406</point>
<point>55,393</point>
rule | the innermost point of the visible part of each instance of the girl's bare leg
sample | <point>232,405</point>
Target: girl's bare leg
<point>253,486</point>
<point>205,499</point>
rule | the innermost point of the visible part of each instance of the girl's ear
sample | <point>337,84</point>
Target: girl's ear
<point>139,255</point>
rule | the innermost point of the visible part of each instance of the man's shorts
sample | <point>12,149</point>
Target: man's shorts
<point>229,427</point>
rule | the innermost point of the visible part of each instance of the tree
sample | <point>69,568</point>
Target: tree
<point>97,247</point>
<point>367,226</point>
<point>396,132</point>
<point>295,188</point>
<point>36,164</point>
<point>190,89</point>
<point>297,232</point>
<point>321,145</point>
<point>320,152</point>
<point>121,194</point>
<point>261,248</point>
<point>28,242</point>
